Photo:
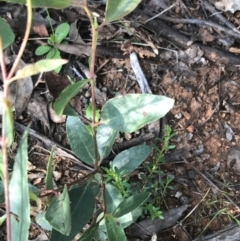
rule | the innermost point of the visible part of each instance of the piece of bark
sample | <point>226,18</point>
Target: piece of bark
<point>149,226</point>
<point>228,234</point>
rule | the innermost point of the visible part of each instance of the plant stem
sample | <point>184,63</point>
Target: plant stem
<point>4,149</point>
<point>92,79</point>
<point>25,39</point>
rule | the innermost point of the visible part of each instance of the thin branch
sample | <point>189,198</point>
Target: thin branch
<point>25,39</point>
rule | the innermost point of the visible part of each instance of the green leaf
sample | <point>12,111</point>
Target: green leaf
<point>116,9</point>
<point>2,219</point>
<point>114,229</point>
<point>89,113</point>
<point>49,177</point>
<point>82,208</point>
<point>113,197</point>
<point>42,50</point>
<point>39,67</point>
<point>129,218</point>
<point>90,233</point>
<point>42,221</point>
<point>58,4</point>
<point>80,140</point>
<point>131,203</point>
<point>19,193</point>
<point>131,158</point>
<point>8,120</point>
<point>66,95</point>
<point>6,33</point>
<point>1,166</point>
<point>61,32</point>
<point>58,213</point>
<point>2,198</point>
<point>105,140</point>
<point>130,112</point>
<point>52,53</point>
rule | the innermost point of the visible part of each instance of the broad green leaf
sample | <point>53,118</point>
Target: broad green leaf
<point>42,221</point>
<point>116,9</point>
<point>131,158</point>
<point>58,213</point>
<point>66,95</point>
<point>114,229</point>
<point>6,33</point>
<point>130,112</point>
<point>90,233</point>
<point>39,67</point>
<point>130,218</point>
<point>61,32</point>
<point>58,4</point>
<point>49,176</point>
<point>41,50</point>
<point>105,140</point>
<point>80,140</point>
<point>8,122</point>
<point>131,203</point>
<point>82,208</point>
<point>19,193</point>
<point>113,197</point>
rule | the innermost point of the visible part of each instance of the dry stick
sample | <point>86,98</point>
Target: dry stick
<point>194,21</point>
<point>25,39</point>
<point>218,15</point>
<point>202,23</point>
<point>212,184</point>
<point>157,15</point>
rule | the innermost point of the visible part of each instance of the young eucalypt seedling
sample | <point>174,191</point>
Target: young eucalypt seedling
<point>74,206</point>
<point>56,37</point>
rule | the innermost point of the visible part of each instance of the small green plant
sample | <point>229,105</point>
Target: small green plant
<point>56,37</point>
<point>71,207</point>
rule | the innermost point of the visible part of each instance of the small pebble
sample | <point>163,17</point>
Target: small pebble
<point>104,89</point>
<point>87,94</point>
<point>191,174</point>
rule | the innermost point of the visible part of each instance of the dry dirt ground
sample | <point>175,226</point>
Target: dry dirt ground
<point>190,61</point>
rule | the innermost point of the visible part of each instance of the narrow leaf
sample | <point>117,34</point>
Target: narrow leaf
<point>58,213</point>
<point>116,9</point>
<point>90,233</point>
<point>105,140</point>
<point>49,177</point>
<point>39,67</point>
<point>114,229</point>
<point>66,95</point>
<point>80,140</point>
<point>131,112</point>
<point>131,158</point>
<point>6,33</point>
<point>131,203</point>
<point>82,208</point>
<point>19,194</point>
<point>8,122</point>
